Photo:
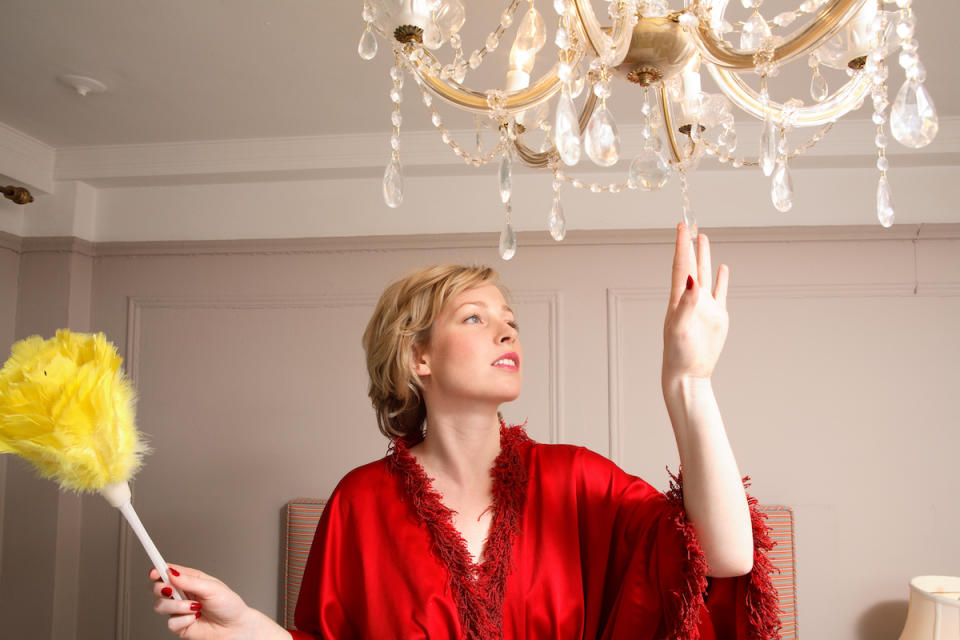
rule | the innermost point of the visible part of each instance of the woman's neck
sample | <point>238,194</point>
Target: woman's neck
<point>460,447</point>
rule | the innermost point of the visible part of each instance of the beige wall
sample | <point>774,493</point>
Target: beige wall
<point>836,388</point>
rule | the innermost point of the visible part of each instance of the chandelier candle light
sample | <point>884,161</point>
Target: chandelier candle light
<point>67,408</point>
<point>662,51</point>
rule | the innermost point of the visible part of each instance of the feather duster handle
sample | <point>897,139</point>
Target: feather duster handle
<point>118,495</point>
<point>67,407</point>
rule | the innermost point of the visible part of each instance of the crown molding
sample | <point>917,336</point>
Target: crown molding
<point>482,240</point>
<point>26,160</point>
<point>11,242</point>
<point>59,244</point>
<point>850,143</point>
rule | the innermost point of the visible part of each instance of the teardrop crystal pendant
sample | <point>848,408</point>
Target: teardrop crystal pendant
<point>913,119</point>
<point>755,32</point>
<point>818,86</point>
<point>393,184</point>
<point>649,170</point>
<point>557,221</point>
<point>884,205</point>
<point>508,242</point>
<point>768,146</point>
<point>567,131</point>
<point>506,178</point>
<point>368,45</point>
<point>432,39</point>
<point>781,192</point>
<point>601,139</point>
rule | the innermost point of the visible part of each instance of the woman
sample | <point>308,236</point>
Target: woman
<point>467,529</point>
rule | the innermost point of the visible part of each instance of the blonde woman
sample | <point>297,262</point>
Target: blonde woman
<point>468,529</point>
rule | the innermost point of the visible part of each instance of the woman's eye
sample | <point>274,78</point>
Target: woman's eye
<point>474,318</point>
<point>514,324</point>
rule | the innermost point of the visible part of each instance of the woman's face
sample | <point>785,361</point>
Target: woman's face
<point>474,352</point>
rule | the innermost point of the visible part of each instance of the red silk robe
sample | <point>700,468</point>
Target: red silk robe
<point>577,549</point>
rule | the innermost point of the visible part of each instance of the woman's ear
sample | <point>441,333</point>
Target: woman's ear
<point>421,363</point>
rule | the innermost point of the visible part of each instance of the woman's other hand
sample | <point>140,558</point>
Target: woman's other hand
<point>211,609</point>
<point>696,324</point>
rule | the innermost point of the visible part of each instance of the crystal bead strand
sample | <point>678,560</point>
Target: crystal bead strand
<point>557,222</point>
<point>367,48</point>
<point>876,66</point>
<point>913,119</point>
<point>686,207</point>
<point>650,169</point>
<point>393,175</point>
<point>787,18</point>
<point>472,159</point>
<point>743,162</point>
<point>492,40</point>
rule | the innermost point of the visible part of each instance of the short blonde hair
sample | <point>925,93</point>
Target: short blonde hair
<point>402,319</point>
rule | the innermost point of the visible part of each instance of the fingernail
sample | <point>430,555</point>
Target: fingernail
<point>195,606</point>
<point>198,614</point>
<point>166,592</point>
<point>174,571</point>
<point>689,282</point>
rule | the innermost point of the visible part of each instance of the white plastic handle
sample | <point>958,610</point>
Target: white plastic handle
<point>118,495</point>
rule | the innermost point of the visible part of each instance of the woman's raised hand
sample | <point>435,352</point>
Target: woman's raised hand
<point>696,324</point>
<point>212,611</point>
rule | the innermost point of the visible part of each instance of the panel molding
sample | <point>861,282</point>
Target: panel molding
<point>616,297</point>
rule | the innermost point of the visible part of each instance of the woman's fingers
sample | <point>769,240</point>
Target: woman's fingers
<point>178,624</point>
<point>723,280</point>
<point>167,606</point>
<point>683,264</point>
<point>704,270</point>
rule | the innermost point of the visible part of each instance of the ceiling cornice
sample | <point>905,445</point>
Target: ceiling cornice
<point>364,156</point>
<point>26,160</point>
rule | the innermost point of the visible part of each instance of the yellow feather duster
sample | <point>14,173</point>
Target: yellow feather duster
<point>66,406</point>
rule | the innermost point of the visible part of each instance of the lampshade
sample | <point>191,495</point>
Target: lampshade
<point>934,612</point>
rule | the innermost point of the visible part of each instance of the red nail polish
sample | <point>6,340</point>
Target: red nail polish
<point>174,571</point>
<point>195,606</point>
<point>166,592</point>
<point>198,614</point>
<point>689,286</point>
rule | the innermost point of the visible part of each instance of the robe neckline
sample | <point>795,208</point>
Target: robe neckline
<point>478,588</point>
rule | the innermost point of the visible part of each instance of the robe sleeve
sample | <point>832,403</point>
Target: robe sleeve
<point>640,551</point>
<point>320,611</point>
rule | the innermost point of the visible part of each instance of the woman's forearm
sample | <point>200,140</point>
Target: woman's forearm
<point>713,493</point>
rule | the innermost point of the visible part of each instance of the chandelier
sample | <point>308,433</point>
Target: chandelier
<point>662,52</point>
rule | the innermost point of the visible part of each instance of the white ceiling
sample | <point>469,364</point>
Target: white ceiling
<point>190,70</point>
<point>221,92</point>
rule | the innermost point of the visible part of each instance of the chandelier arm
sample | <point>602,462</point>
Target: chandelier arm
<point>827,22</point>
<point>593,32</point>
<point>535,159</point>
<point>836,106</point>
<point>539,159</point>
<point>476,102</point>
<point>668,124</point>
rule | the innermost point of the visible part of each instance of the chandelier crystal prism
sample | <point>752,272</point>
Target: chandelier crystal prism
<point>661,51</point>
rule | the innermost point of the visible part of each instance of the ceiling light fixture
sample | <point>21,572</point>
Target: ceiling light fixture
<point>662,52</point>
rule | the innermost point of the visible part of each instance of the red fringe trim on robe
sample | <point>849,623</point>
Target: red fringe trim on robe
<point>762,603</point>
<point>478,589</point>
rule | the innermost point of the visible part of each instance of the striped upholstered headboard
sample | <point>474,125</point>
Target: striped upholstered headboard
<point>303,514</point>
